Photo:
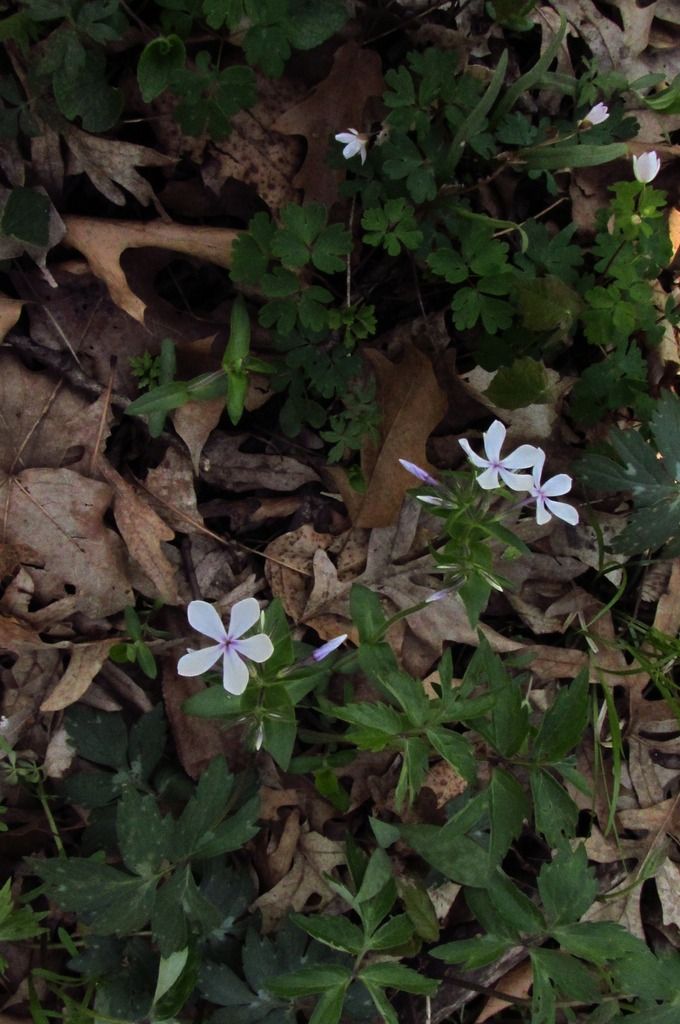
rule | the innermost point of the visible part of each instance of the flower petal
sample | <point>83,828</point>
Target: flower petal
<point>523,457</point>
<point>475,459</point>
<point>537,471</point>
<point>257,648</point>
<point>195,663</point>
<point>542,514</point>
<point>244,614</point>
<point>235,674</point>
<point>346,137</point>
<point>493,440</point>
<point>351,149</point>
<point>560,484</point>
<point>563,511</point>
<point>488,479</point>
<point>205,618</point>
<point>517,481</point>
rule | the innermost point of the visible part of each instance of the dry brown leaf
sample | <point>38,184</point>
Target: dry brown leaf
<point>411,404</point>
<point>42,422</point>
<point>195,422</point>
<point>10,311</point>
<point>334,105</point>
<point>667,881</point>
<point>109,163</point>
<point>445,782</point>
<point>16,636</point>
<point>223,464</point>
<point>254,153</point>
<point>516,982</point>
<point>143,532</point>
<point>315,857</point>
<point>86,660</point>
<point>197,740</point>
<point>59,515</point>
<point>102,243</point>
<point>172,482</point>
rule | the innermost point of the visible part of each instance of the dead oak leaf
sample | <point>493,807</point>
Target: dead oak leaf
<point>109,163</point>
<point>334,105</point>
<point>411,404</point>
<point>315,857</point>
<point>143,531</point>
<point>10,311</point>
<point>103,242</point>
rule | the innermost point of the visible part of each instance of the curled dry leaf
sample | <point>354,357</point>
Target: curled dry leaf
<point>223,464</point>
<point>143,532</point>
<point>102,243</point>
<point>411,404</point>
<point>86,660</point>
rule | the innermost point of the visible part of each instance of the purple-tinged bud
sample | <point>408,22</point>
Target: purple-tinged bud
<point>438,595</point>
<point>331,645</point>
<point>421,474</point>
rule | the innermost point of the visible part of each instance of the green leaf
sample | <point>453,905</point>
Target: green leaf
<point>567,886</point>
<point>472,953</point>
<point>158,61</point>
<point>336,932</point>
<point>26,216</point>
<point>110,901</point>
<point>367,614</point>
<point>311,22</point>
<point>163,398</point>
<point>98,736</point>
<point>508,807</point>
<point>309,981</point>
<point>394,933</point>
<point>142,834</point>
<point>382,1003</point>
<point>564,722</point>
<point>475,593</point>
<point>523,383</point>
<point>665,424</point>
<point>419,908</point>
<point>233,833</point>
<point>571,978</point>
<point>147,743</point>
<point>213,702</point>
<point>198,822</point>
<point>85,92</point>
<point>565,156</point>
<point>390,975</point>
<point>18,924</point>
<point>455,749</point>
<point>511,906</point>
<point>251,251</point>
<point>376,876</point>
<point>598,941</point>
<point>555,813</point>
<point>476,119</point>
<point>456,856</point>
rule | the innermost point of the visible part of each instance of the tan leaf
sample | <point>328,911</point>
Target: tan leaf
<point>198,740</point>
<point>316,856</point>
<point>411,404</point>
<point>15,636</point>
<point>172,482</point>
<point>109,163</point>
<point>86,660</point>
<point>224,465</point>
<point>195,422</point>
<point>102,243</point>
<point>143,531</point>
<point>667,880</point>
<point>10,311</point>
<point>59,515</point>
<point>59,755</point>
<point>516,982</point>
<point>334,105</point>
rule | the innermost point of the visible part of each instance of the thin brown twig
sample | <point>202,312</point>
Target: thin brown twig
<point>94,455</point>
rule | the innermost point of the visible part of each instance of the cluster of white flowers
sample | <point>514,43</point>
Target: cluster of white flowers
<point>496,469</point>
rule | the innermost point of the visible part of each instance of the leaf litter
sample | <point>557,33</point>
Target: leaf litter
<point>81,532</point>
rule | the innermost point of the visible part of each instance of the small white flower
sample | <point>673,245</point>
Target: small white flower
<point>494,466</point>
<point>354,142</point>
<point>543,494</point>
<point>596,115</point>
<point>204,618</point>
<point>646,167</point>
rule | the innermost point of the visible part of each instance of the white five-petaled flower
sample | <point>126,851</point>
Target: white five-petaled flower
<point>494,466</point>
<point>354,142</point>
<point>229,643</point>
<point>596,115</point>
<point>646,167</point>
<point>544,493</point>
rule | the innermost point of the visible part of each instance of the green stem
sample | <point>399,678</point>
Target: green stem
<point>42,796</point>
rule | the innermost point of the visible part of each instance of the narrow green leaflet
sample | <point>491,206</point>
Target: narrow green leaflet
<point>336,932</point>
<point>508,808</point>
<point>392,975</point>
<point>563,724</point>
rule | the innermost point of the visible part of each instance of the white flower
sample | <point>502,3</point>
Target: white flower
<point>494,466</point>
<point>354,142</point>
<point>204,618</point>
<point>596,115</point>
<point>543,494</point>
<point>646,167</point>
